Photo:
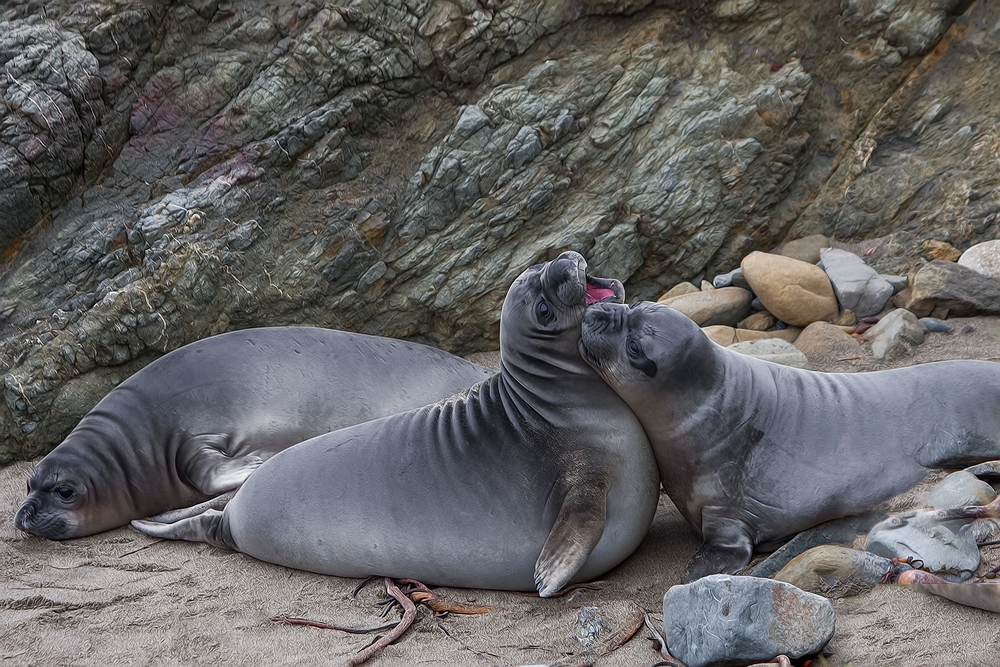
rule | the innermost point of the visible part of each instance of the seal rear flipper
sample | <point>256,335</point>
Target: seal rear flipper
<point>172,516</point>
<point>726,550</point>
<point>205,464</point>
<point>209,527</point>
<point>577,530</point>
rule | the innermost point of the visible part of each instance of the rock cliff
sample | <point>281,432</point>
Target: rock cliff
<point>170,171</point>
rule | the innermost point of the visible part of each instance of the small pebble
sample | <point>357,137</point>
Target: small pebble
<point>934,325</point>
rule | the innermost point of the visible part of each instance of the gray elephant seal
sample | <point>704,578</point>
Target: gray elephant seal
<point>536,477</point>
<point>753,452</point>
<point>194,423</point>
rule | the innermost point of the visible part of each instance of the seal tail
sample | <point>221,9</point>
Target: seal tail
<point>210,527</point>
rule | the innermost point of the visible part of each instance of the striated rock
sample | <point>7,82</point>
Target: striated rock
<point>945,289</point>
<point>806,249</point>
<point>960,489</point>
<point>774,350</point>
<point>727,305</point>
<point>821,343</point>
<point>919,164</point>
<point>680,289</point>
<point>940,250</point>
<point>894,332</point>
<point>835,571</point>
<point>721,619</point>
<point>759,321</point>
<point>794,291</point>
<point>388,167</point>
<point>858,286</point>
<point>983,258</point>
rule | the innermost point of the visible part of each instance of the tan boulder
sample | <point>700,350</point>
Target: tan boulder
<point>678,290</point>
<point>727,305</point>
<point>822,342</point>
<point>707,286</point>
<point>796,292</point>
<point>806,249</point>
<point>720,334</point>
<point>789,335</point>
<point>759,321</point>
<point>847,318</point>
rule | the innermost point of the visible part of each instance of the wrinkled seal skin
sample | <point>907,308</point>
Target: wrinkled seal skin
<point>753,452</point>
<point>536,477</point>
<point>197,421</point>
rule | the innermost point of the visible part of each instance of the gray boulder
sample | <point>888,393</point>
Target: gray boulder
<point>946,289</point>
<point>951,555</point>
<point>895,333</point>
<point>983,258</point>
<point>858,286</point>
<point>727,620</point>
<point>726,305</point>
<point>960,489</point>
<point>775,350</point>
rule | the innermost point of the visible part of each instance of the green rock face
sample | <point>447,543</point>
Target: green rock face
<point>172,171</point>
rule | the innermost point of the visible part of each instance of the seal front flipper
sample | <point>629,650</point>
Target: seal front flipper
<point>205,464</point>
<point>726,550</point>
<point>209,527</point>
<point>577,530</point>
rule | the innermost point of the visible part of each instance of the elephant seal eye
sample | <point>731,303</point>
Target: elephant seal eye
<point>542,310</point>
<point>65,492</point>
<point>633,349</point>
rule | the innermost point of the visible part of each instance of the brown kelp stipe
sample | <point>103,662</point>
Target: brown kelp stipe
<point>981,595</point>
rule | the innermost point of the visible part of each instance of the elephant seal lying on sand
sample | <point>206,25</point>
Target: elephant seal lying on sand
<point>194,423</point>
<point>753,452</point>
<point>537,477</point>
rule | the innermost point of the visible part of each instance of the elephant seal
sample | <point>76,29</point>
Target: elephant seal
<point>195,422</point>
<point>753,452</point>
<point>534,478</point>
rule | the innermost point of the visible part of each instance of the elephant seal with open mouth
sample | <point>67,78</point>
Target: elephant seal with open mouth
<point>195,422</point>
<point>535,478</point>
<point>753,452</point>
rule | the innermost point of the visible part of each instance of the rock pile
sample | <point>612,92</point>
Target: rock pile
<point>826,301</point>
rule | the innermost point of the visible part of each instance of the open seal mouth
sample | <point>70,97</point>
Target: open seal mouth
<point>603,289</point>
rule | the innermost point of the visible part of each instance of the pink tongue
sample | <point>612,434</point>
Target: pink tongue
<point>595,293</point>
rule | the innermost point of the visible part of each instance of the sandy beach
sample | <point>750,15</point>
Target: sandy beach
<point>121,597</point>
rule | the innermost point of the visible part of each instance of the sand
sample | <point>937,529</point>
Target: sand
<point>121,597</point>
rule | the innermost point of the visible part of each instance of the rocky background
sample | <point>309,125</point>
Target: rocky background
<point>173,170</point>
